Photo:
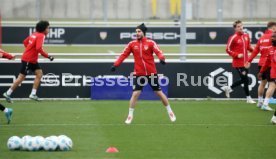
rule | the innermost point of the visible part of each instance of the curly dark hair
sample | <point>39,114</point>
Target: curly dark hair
<point>41,26</point>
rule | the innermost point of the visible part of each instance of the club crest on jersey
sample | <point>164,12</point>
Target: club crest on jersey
<point>136,47</point>
<point>146,47</point>
<point>212,35</point>
<point>103,35</point>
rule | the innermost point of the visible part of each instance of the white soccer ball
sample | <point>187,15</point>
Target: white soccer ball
<point>50,144</point>
<point>64,143</point>
<point>14,143</point>
<point>54,138</point>
<point>25,140</point>
<point>32,145</point>
<point>39,141</point>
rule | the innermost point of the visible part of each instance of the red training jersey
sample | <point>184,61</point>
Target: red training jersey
<point>262,46</point>
<point>33,46</point>
<point>239,43</point>
<point>270,62</point>
<point>142,51</point>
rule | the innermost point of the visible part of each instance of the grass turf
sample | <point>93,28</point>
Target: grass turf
<point>204,129</point>
<point>116,49</point>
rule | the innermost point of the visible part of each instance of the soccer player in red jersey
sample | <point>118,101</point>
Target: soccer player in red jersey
<point>270,62</point>
<point>237,47</point>
<point>7,111</point>
<point>29,60</point>
<point>262,47</point>
<point>144,69</point>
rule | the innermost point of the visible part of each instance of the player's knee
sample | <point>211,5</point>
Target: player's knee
<point>136,94</point>
<point>272,85</point>
<point>263,83</point>
<point>158,93</point>
<point>21,77</point>
<point>39,74</point>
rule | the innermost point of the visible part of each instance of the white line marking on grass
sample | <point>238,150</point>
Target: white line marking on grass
<point>172,124</point>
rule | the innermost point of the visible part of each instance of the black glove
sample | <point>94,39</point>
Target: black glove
<point>113,68</point>
<point>51,58</point>
<point>163,62</point>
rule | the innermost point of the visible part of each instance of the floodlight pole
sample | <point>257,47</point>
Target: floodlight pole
<point>105,10</point>
<point>219,10</point>
<point>183,32</point>
<point>251,6</point>
<point>91,10</point>
<point>37,8</point>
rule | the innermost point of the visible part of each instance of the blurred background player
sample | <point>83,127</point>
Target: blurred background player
<point>273,49</point>
<point>175,9</point>
<point>144,69</point>
<point>237,47</point>
<point>153,9</point>
<point>262,47</point>
<point>270,61</point>
<point>7,111</point>
<point>29,61</point>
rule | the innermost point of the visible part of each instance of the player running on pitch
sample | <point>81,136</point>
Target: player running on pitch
<point>237,47</point>
<point>29,61</point>
<point>263,46</point>
<point>271,61</point>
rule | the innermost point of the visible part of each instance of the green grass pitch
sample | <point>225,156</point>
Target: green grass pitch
<point>203,129</point>
<point>116,49</point>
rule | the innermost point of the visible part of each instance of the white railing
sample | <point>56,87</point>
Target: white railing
<point>118,54</point>
<point>111,57</point>
<point>101,23</point>
<point>66,60</point>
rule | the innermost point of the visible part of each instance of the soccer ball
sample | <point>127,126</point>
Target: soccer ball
<point>25,140</point>
<point>50,144</point>
<point>54,138</point>
<point>32,145</point>
<point>14,143</point>
<point>64,143</point>
<point>39,141</point>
